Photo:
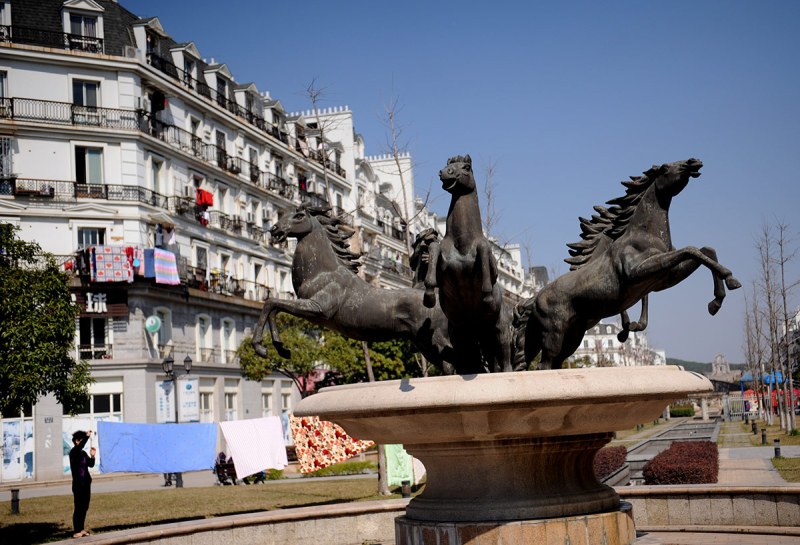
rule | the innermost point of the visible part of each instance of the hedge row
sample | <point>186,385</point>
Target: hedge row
<point>685,462</point>
<point>681,410</point>
<point>608,460</point>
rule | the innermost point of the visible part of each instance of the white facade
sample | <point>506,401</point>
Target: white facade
<point>602,348</point>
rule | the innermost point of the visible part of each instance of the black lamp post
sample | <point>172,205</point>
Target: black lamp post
<point>168,365</point>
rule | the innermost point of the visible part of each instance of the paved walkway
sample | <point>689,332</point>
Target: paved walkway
<point>702,538</point>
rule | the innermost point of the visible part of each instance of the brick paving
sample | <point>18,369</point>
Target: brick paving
<point>703,538</point>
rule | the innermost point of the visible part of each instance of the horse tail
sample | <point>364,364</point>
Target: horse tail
<point>519,335</point>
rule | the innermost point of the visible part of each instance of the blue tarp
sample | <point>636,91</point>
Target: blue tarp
<point>769,378</point>
<point>156,448</point>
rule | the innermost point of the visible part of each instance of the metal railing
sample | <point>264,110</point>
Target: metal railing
<point>48,38</point>
<point>95,351</point>
<point>65,113</point>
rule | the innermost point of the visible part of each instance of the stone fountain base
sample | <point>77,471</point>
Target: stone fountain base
<point>611,528</point>
<point>507,447</point>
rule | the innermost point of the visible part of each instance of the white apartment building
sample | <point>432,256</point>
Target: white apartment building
<point>116,138</point>
<point>602,348</point>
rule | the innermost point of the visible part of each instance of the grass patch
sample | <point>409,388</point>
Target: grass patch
<point>648,429</point>
<point>774,432</point>
<point>789,468</point>
<point>46,519</point>
<point>344,468</point>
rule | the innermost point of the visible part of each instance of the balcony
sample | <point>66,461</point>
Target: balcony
<point>65,113</point>
<point>47,38</point>
<point>313,199</point>
<point>95,352</point>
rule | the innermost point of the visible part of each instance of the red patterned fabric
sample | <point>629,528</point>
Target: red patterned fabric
<point>320,443</point>
<point>112,264</point>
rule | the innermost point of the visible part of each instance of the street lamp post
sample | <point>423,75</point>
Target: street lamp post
<point>169,368</point>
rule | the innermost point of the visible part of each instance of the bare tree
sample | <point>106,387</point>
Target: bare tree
<point>316,95</point>
<point>771,310</point>
<point>786,254</point>
<point>490,213</point>
<point>754,348</point>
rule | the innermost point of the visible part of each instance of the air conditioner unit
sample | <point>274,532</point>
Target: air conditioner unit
<point>143,103</point>
<point>131,52</point>
<point>189,191</point>
<point>250,217</point>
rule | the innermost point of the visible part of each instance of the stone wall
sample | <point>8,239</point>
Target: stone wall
<point>692,506</point>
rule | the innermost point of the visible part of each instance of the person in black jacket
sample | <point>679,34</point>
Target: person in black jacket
<point>79,464</point>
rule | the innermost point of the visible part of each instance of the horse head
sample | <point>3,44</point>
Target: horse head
<point>457,176</point>
<point>296,225</point>
<point>671,178</point>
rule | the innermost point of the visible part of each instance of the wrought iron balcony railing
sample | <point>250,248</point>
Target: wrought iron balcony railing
<point>64,113</point>
<point>58,40</point>
<point>95,351</point>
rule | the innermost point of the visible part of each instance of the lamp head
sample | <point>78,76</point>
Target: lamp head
<point>168,365</point>
<point>187,363</point>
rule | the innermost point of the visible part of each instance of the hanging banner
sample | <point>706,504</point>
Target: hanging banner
<point>165,402</point>
<point>189,399</point>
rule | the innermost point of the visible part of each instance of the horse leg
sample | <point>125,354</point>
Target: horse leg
<point>622,336</point>
<point>641,325</point>
<point>533,340</point>
<point>681,263</point>
<point>258,334</point>
<point>429,299</point>
<point>487,265</point>
<point>519,324</point>
<point>307,309</point>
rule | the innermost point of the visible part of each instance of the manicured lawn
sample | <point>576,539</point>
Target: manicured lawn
<point>50,518</point>
<point>646,430</point>
<point>774,432</point>
<point>789,468</point>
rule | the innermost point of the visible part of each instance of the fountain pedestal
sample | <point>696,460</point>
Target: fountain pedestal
<point>508,452</point>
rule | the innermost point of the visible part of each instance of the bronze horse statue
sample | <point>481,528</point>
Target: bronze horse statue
<point>626,253</point>
<point>332,295</point>
<point>464,270</point>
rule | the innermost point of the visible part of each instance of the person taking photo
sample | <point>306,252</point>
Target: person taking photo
<point>79,464</point>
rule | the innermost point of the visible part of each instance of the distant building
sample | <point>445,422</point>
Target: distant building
<point>600,347</point>
<point>721,376</point>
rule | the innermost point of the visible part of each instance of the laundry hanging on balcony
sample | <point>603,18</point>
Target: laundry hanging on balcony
<point>204,198</point>
<point>161,265</point>
<point>110,263</point>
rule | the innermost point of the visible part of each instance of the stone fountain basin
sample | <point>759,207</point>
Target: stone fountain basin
<point>506,446</point>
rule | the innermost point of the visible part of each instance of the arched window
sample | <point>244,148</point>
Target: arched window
<point>204,352</point>
<point>228,340</point>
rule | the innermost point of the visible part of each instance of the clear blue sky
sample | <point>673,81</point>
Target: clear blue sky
<point>568,99</point>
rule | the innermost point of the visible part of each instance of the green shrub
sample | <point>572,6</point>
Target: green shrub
<point>274,474</point>
<point>681,410</point>
<point>344,468</point>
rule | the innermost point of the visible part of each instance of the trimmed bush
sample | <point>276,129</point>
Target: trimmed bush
<point>684,462</point>
<point>344,468</point>
<point>608,460</point>
<point>681,410</point>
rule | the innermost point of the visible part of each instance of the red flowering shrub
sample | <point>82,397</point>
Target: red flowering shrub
<point>685,462</point>
<point>608,460</point>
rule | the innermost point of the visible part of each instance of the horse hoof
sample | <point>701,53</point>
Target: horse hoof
<point>429,299</point>
<point>622,336</point>
<point>714,306</point>
<point>283,351</point>
<point>732,284</point>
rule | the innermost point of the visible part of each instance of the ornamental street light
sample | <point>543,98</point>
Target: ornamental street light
<point>168,365</point>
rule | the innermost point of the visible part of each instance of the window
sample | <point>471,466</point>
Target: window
<point>230,406</point>
<point>88,165</point>
<point>204,351</point>
<point>156,175</point>
<point>206,406</point>
<point>221,91</point>
<point>586,344</point>
<point>188,72</point>
<point>221,154</point>
<point>610,343</point>
<point>91,236</point>
<point>94,338</point>
<point>286,396</point>
<point>266,404</point>
<point>6,157</point>
<point>200,257</point>
<point>164,335</point>
<point>228,333</point>
<point>83,25</point>
<point>3,84</point>
<point>85,93</point>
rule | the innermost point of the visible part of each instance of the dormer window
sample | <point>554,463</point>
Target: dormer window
<point>83,24</point>
<point>188,72</point>
<point>222,92</point>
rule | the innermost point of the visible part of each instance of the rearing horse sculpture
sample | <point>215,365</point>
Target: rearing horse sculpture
<point>330,294</point>
<point>629,256</point>
<point>463,268</point>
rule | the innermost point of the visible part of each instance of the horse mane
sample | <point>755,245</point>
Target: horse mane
<point>338,234</point>
<point>610,223</point>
